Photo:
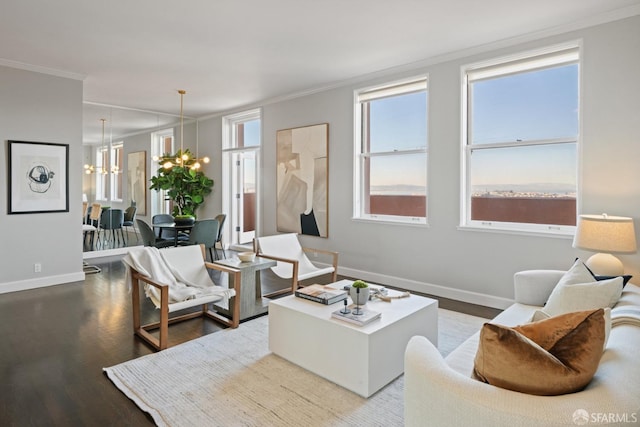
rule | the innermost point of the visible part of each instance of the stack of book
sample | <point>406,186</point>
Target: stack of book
<point>321,294</point>
<point>367,316</point>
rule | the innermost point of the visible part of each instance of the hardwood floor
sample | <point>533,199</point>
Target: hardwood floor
<point>56,340</point>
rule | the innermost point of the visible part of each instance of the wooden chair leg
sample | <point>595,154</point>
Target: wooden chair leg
<point>294,285</point>
<point>164,317</point>
<point>135,302</point>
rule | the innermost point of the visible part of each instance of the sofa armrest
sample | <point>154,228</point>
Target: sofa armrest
<point>533,287</point>
<point>436,395</point>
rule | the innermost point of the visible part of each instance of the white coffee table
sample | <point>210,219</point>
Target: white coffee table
<point>362,359</point>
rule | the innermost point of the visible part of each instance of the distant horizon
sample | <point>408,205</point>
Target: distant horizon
<point>533,188</point>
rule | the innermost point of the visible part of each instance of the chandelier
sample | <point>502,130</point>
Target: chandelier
<point>183,158</point>
<point>89,169</point>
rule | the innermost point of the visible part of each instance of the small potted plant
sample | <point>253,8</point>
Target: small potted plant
<point>359,292</point>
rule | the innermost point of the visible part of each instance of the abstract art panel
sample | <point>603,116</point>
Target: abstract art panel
<point>137,180</point>
<point>302,180</point>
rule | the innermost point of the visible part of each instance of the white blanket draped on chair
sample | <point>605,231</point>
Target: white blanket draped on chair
<point>181,269</point>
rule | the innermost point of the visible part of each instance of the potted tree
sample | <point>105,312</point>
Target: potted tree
<point>186,185</point>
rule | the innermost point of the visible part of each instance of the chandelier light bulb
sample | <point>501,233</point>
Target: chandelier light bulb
<point>183,157</point>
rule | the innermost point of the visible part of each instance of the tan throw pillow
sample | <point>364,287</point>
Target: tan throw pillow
<point>555,356</point>
<point>542,315</point>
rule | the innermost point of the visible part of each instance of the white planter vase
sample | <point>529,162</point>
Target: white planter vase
<point>360,299</point>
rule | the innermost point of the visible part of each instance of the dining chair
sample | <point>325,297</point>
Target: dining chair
<point>94,211</point>
<point>162,219</point>
<point>111,220</point>
<point>221,219</point>
<point>292,263</point>
<point>129,220</point>
<point>149,238</point>
<point>204,232</point>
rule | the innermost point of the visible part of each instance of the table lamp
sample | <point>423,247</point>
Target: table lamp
<point>606,235</point>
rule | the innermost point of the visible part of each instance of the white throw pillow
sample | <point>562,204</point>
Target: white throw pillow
<point>577,290</point>
<point>578,273</point>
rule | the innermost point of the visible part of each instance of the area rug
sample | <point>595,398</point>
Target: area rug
<point>230,378</point>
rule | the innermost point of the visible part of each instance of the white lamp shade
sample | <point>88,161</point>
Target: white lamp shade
<point>603,233</point>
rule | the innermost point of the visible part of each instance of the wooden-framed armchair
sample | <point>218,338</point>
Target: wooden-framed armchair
<point>176,279</point>
<point>292,261</point>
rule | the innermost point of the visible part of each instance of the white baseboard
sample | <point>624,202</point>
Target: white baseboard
<point>102,253</point>
<point>41,282</point>
<point>429,288</point>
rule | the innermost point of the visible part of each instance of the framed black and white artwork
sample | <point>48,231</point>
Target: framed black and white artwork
<point>38,177</point>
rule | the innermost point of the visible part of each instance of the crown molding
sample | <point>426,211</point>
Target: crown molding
<point>416,66</point>
<point>42,70</point>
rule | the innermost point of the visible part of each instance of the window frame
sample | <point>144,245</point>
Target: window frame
<point>102,189</point>
<point>162,142</point>
<point>230,172</point>
<point>541,59</point>
<point>116,171</point>
<point>407,86</point>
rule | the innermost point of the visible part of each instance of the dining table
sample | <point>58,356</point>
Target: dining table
<point>172,226</point>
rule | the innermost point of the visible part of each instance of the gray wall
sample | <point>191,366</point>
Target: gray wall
<point>41,108</point>
<point>441,258</point>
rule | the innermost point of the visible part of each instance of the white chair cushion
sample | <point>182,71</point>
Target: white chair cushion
<point>288,246</point>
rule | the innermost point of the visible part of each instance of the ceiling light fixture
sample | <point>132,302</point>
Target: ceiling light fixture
<point>113,154</point>
<point>89,169</point>
<point>183,158</point>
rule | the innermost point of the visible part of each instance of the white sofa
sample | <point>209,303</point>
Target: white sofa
<point>442,392</point>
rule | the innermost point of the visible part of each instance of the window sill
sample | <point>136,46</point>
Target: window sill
<point>417,222</point>
<point>563,233</point>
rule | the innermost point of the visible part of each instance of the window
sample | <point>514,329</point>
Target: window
<point>101,176</point>
<point>520,143</point>
<point>116,171</point>
<point>391,152</point>
<point>161,143</point>
<point>241,150</point>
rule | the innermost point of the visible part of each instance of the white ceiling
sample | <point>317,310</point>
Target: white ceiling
<point>231,53</point>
